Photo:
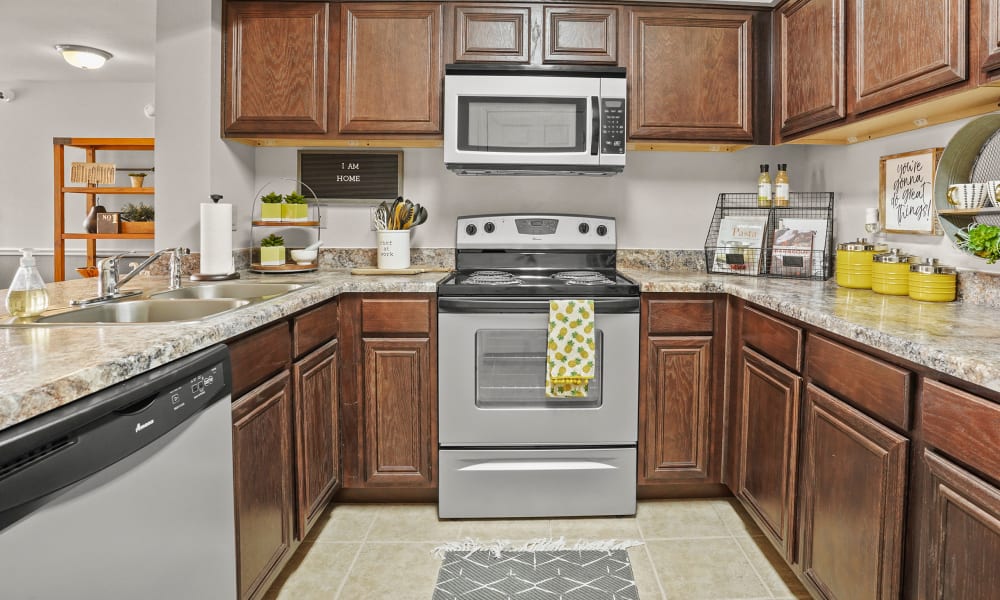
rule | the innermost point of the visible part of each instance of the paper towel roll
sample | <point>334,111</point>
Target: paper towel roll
<point>216,239</point>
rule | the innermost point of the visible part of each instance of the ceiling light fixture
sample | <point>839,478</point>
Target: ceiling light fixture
<point>83,57</point>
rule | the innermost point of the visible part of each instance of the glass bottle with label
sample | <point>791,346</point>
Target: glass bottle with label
<point>764,187</point>
<point>781,186</point>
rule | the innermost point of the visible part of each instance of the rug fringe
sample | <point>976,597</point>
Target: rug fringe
<point>498,547</point>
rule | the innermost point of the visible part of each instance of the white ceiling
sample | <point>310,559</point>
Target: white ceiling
<point>30,28</point>
<point>126,28</point>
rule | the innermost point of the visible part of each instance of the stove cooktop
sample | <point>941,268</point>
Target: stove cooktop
<point>576,283</point>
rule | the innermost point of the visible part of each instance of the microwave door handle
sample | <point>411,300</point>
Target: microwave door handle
<point>595,126</point>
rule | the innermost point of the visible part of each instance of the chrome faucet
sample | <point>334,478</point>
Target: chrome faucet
<point>109,281</point>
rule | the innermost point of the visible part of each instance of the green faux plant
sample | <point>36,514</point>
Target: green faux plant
<point>294,198</point>
<point>272,198</point>
<point>272,241</point>
<point>982,240</point>
<point>136,213</point>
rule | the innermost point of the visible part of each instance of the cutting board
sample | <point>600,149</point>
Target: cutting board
<point>409,271</point>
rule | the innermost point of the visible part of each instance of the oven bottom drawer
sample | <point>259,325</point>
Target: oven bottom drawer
<point>536,483</point>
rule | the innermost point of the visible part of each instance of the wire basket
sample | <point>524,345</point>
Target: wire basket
<point>794,241</point>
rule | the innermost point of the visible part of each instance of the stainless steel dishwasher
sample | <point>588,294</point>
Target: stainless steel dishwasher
<point>124,494</point>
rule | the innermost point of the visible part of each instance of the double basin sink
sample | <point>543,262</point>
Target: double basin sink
<point>183,304</point>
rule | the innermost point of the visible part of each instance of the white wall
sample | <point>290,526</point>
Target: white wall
<point>40,112</point>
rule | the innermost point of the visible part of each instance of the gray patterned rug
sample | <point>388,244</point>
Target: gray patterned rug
<point>539,575</point>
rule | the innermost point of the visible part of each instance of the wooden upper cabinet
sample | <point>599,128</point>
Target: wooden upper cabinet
<point>580,34</point>
<point>390,72</point>
<point>690,75</point>
<point>492,34</point>
<point>990,52</point>
<point>903,48</point>
<point>810,77</point>
<point>276,67</point>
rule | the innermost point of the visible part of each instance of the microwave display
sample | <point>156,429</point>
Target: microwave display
<point>506,124</point>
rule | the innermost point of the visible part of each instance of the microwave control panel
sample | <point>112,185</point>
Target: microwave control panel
<point>612,126</point>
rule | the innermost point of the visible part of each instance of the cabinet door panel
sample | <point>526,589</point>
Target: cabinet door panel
<point>492,34</point>
<point>675,410</point>
<point>400,435</point>
<point>811,64</point>
<point>391,74</point>
<point>964,546</point>
<point>852,501</point>
<point>690,75</point>
<point>990,53</point>
<point>276,67</point>
<point>903,48</point>
<point>262,464</point>
<point>768,440</point>
<point>580,35</point>
<point>317,441</point>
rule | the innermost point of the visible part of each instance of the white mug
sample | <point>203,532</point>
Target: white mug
<point>967,195</point>
<point>991,193</point>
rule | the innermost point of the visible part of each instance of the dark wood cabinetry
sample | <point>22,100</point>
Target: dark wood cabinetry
<point>990,38</point>
<point>389,393</point>
<point>690,74</point>
<point>580,34</point>
<point>852,500</point>
<point>809,83</point>
<point>275,67</point>
<point>263,483</point>
<point>492,33</point>
<point>391,70</point>
<point>768,441</point>
<point>903,48</point>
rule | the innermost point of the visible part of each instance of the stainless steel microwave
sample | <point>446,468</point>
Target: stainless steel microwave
<point>503,120</point>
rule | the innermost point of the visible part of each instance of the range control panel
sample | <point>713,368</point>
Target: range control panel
<point>612,126</point>
<point>542,231</point>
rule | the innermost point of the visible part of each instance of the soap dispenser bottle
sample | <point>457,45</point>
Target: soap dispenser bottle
<point>27,296</point>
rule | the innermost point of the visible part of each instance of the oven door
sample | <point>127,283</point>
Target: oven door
<point>491,381</point>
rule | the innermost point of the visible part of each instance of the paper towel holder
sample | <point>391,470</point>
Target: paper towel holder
<point>215,277</point>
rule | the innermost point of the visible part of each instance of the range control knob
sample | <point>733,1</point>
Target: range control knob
<point>584,228</point>
<point>602,230</point>
<point>470,229</point>
<point>489,227</point>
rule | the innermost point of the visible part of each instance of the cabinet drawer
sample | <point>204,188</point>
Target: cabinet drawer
<point>393,315</point>
<point>259,355</point>
<point>775,338</point>
<point>867,382</point>
<point>962,425</point>
<point>315,327</point>
<point>680,316</point>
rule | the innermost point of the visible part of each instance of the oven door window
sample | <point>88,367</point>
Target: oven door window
<point>510,371</point>
<point>499,124</point>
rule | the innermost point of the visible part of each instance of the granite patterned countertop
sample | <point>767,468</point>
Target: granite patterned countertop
<point>48,366</point>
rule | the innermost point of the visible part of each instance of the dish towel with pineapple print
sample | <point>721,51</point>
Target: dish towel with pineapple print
<point>570,355</point>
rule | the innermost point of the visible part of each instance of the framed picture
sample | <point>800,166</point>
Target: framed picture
<point>906,192</point>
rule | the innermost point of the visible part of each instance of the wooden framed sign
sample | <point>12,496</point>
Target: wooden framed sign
<point>352,176</point>
<point>906,192</point>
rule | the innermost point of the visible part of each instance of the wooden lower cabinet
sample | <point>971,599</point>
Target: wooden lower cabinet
<point>317,442</point>
<point>263,483</point>
<point>768,438</point>
<point>852,502</point>
<point>963,548</point>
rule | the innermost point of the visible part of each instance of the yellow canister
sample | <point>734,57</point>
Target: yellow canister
<point>854,263</point>
<point>932,282</point>
<point>891,273</point>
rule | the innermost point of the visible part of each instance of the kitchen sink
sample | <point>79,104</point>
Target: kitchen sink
<point>146,311</point>
<point>232,290</point>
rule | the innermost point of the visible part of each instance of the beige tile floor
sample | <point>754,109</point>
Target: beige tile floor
<point>692,550</point>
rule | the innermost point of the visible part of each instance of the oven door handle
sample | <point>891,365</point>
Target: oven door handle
<point>520,305</point>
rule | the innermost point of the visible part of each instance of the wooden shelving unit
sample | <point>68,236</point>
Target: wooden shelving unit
<point>91,146</point>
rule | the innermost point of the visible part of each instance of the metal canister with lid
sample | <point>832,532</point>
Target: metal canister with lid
<point>932,282</point>
<point>854,263</point>
<point>891,272</point>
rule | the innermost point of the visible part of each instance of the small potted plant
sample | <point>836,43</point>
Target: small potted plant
<point>270,207</point>
<point>294,208</point>
<point>137,218</point>
<point>137,179</point>
<point>982,240</point>
<point>272,251</point>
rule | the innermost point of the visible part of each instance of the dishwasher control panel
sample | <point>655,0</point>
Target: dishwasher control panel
<point>198,389</point>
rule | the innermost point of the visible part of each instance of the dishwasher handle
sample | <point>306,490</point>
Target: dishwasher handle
<point>122,424</point>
